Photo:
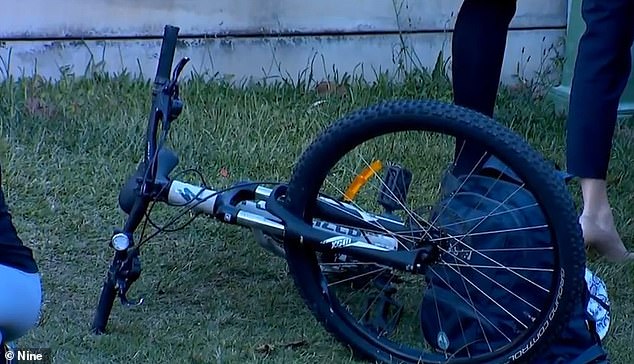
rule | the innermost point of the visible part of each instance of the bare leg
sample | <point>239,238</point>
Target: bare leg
<point>597,222</point>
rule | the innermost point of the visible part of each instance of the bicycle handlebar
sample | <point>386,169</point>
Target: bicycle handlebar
<point>166,58</point>
<point>162,111</point>
<point>161,97</point>
<point>166,106</point>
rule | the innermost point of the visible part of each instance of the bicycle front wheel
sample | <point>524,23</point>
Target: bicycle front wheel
<point>495,292</point>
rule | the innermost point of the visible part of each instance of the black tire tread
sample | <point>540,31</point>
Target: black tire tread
<point>308,169</point>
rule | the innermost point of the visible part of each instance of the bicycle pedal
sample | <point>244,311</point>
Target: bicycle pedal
<point>386,314</point>
<point>394,189</point>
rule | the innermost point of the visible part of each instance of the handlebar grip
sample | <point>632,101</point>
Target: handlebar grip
<point>166,58</point>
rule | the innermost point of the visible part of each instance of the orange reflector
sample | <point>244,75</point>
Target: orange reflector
<point>361,179</point>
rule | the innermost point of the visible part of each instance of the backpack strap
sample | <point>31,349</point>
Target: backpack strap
<point>600,302</point>
<point>495,165</point>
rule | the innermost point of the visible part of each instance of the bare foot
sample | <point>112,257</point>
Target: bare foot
<point>600,234</point>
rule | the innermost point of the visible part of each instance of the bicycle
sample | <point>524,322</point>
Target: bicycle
<point>322,232</point>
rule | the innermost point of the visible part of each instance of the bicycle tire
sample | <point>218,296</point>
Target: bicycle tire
<point>402,115</point>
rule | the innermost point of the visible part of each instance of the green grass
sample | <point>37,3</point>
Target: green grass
<point>211,294</point>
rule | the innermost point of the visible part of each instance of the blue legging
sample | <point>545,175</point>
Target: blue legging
<point>602,68</point>
<point>20,302</point>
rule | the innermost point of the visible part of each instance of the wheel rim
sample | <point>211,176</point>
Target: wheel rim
<point>439,163</point>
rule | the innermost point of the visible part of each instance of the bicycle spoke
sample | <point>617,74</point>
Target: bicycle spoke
<point>356,277</point>
<point>481,233</point>
<point>411,214</point>
<point>466,265</point>
<point>492,267</point>
<point>474,309</point>
<point>490,298</point>
<point>499,265</point>
<point>433,223</point>
<point>516,209</point>
<point>375,224</point>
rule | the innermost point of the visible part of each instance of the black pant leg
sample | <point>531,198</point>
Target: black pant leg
<point>602,68</point>
<point>478,47</point>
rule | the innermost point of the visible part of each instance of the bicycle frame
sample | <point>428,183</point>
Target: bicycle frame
<point>255,206</point>
<point>335,226</point>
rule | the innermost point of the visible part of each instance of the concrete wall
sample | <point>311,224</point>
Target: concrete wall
<point>253,38</point>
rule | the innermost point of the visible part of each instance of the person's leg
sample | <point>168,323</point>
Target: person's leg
<point>20,302</point>
<point>601,71</point>
<point>478,46</point>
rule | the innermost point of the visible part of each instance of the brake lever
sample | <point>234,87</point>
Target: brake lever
<point>175,105</point>
<point>178,69</point>
<point>128,303</point>
<point>173,85</point>
<point>128,273</point>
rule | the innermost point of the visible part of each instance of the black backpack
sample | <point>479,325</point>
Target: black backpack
<point>451,298</point>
